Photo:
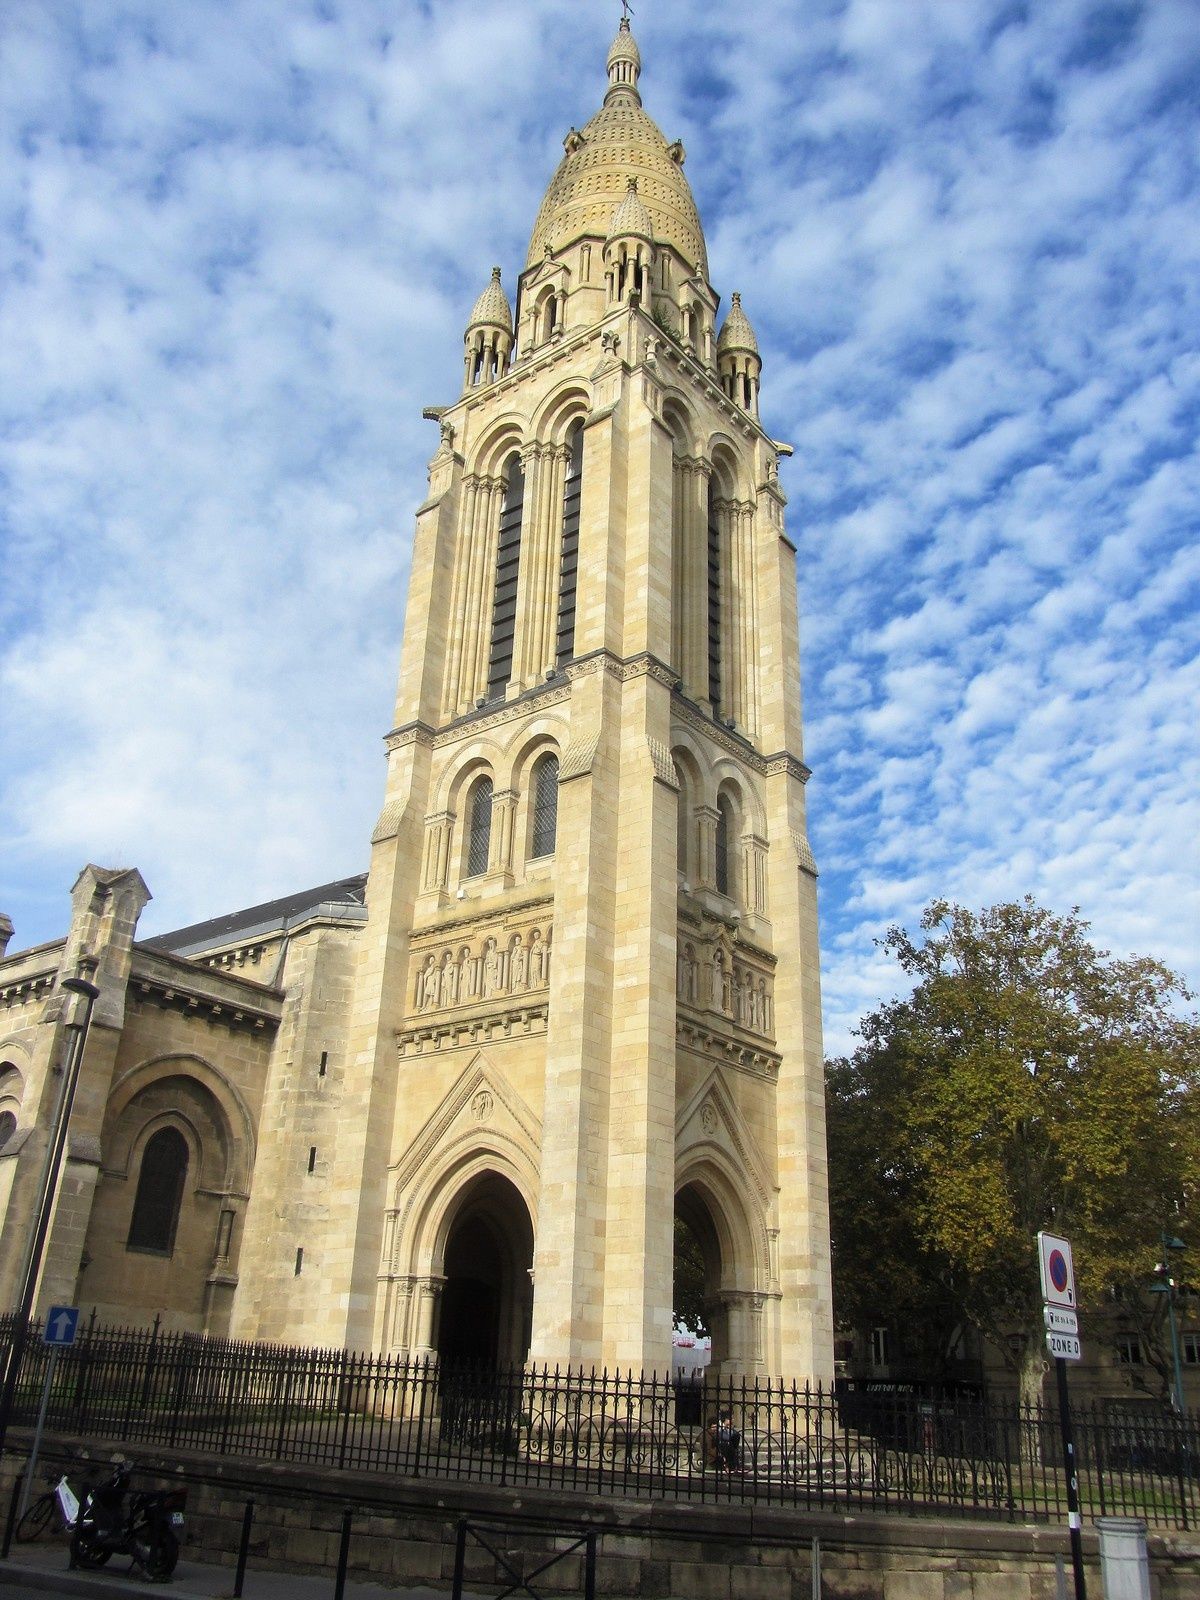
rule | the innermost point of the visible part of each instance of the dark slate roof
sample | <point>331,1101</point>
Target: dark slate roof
<point>265,918</point>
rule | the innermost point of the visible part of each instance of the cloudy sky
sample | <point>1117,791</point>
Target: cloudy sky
<point>238,244</point>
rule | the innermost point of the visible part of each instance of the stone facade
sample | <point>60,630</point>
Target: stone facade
<point>458,1109</point>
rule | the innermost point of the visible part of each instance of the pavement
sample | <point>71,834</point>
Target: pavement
<point>42,1568</point>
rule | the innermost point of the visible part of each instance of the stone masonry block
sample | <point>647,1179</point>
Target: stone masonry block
<point>1001,1586</point>
<point>759,1583</point>
<point>845,1583</point>
<point>311,1546</point>
<point>698,1581</point>
<point>913,1586</point>
<point>618,1575</point>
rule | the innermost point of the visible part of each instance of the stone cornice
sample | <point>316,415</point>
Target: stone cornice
<point>28,987</point>
<point>409,733</point>
<point>733,743</point>
<point>204,1007</point>
<point>784,761</point>
<point>460,1032</point>
<point>722,1044</point>
<point>430,933</point>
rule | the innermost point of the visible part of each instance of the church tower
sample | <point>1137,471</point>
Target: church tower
<point>585,1001</point>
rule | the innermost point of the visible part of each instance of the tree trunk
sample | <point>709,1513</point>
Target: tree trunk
<point>1030,1374</point>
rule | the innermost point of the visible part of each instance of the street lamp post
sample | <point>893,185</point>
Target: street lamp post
<point>77,1032</point>
<point>1166,1286</point>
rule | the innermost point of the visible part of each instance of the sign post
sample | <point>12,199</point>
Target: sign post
<point>1059,1303</point>
<point>58,1334</point>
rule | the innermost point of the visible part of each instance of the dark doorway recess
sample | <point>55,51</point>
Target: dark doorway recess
<point>487,1299</point>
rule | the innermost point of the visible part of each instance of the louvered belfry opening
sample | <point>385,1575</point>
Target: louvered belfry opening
<point>504,601</point>
<point>569,559</point>
<point>714,601</point>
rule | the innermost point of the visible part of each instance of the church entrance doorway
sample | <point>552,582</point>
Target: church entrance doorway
<point>487,1296</point>
<point>714,1275</point>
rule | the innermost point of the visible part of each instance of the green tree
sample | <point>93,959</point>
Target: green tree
<point>1030,1081</point>
<point>689,1286</point>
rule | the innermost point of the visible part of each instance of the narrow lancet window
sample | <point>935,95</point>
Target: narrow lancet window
<point>545,806</point>
<point>714,601</point>
<point>504,599</point>
<point>568,568</point>
<point>159,1193</point>
<point>479,828</point>
<point>723,831</point>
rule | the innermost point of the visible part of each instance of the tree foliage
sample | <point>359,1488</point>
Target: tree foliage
<point>1030,1081</point>
<point>689,1283</point>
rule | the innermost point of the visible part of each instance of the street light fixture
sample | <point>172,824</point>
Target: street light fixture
<point>77,1032</point>
<point>1167,1286</point>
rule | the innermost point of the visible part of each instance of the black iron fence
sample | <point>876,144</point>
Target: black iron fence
<point>738,1439</point>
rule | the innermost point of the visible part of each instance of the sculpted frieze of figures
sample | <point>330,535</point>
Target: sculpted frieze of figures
<point>713,979</point>
<point>501,963</point>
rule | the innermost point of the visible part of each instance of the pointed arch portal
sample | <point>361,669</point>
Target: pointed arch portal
<point>712,1252</point>
<point>487,1295</point>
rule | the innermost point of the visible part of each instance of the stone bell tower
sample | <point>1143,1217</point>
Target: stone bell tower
<point>586,1001</point>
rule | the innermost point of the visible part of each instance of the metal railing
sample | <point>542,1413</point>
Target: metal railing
<point>730,1439</point>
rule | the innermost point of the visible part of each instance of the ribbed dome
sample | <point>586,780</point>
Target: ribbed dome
<point>492,307</point>
<point>619,143</point>
<point>737,334</point>
<point>631,217</point>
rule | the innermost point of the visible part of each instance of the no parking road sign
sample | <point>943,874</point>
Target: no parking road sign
<point>1058,1271</point>
<point>61,1323</point>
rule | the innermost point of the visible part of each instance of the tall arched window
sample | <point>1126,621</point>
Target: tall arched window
<point>568,566</point>
<point>724,830</point>
<point>479,828</point>
<point>504,598</point>
<point>8,1126</point>
<point>545,806</point>
<point>159,1193</point>
<point>714,600</point>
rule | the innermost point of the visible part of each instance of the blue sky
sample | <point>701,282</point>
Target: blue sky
<point>238,245</point>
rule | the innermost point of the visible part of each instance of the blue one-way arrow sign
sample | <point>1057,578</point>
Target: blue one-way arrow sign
<point>61,1323</point>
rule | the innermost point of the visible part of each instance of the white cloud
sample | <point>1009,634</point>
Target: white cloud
<point>238,244</point>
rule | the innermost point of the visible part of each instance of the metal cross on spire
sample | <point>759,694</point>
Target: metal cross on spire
<point>626,9</point>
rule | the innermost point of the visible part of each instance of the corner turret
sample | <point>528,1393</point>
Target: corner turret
<point>629,253</point>
<point>739,364</point>
<point>489,337</point>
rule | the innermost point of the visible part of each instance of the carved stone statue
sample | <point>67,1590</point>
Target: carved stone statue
<point>429,985</point>
<point>537,960</point>
<point>493,964</point>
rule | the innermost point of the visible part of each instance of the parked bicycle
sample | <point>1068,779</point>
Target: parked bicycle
<point>56,1511</point>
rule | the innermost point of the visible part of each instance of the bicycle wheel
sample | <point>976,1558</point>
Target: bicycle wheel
<point>37,1518</point>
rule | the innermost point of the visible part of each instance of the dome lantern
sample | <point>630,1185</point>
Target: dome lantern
<point>624,63</point>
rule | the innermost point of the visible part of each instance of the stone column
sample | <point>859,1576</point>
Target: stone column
<point>428,1294</point>
<point>706,819</point>
<point>504,816</point>
<point>439,830</point>
<point>458,601</point>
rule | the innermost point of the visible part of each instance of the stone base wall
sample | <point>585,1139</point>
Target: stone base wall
<point>404,1533</point>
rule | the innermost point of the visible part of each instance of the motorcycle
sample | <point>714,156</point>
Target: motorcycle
<point>148,1527</point>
